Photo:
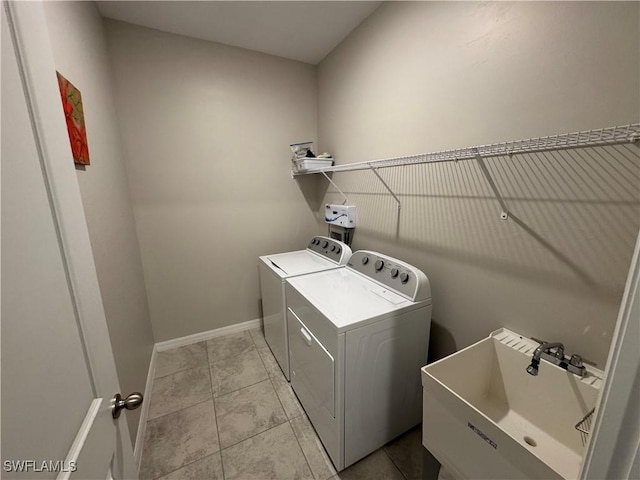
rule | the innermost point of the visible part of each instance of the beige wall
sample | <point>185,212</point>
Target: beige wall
<point>425,76</point>
<point>206,129</point>
<point>79,47</point>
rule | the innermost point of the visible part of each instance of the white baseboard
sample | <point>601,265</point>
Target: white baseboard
<point>144,414</point>
<point>202,336</point>
<point>168,345</point>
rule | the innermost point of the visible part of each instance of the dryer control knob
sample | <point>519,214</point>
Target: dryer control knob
<point>394,272</point>
<point>404,277</point>
<point>379,265</point>
<point>365,260</point>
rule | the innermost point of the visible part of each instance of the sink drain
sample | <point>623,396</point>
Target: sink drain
<point>530,441</point>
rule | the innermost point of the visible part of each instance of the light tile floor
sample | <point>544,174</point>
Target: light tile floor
<point>222,409</point>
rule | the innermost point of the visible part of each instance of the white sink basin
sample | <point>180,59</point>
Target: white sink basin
<point>485,417</point>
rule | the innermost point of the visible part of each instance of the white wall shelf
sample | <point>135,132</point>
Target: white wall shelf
<point>600,137</point>
<point>588,138</point>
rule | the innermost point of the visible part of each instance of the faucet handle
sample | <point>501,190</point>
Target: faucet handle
<point>559,353</point>
<point>576,360</point>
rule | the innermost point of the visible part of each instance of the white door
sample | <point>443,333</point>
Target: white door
<point>58,372</point>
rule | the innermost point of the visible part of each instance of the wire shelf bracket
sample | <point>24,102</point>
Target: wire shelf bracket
<point>335,186</point>
<point>395,197</point>
<point>485,171</point>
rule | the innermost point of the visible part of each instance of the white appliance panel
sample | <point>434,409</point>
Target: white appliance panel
<point>347,298</point>
<point>321,254</point>
<point>298,263</point>
<point>314,370</point>
<point>378,340</point>
<point>273,305</point>
<point>383,389</point>
<point>308,389</point>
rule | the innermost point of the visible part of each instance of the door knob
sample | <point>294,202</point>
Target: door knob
<point>132,402</point>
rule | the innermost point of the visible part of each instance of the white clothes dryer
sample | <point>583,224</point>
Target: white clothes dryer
<point>321,254</point>
<point>358,337</point>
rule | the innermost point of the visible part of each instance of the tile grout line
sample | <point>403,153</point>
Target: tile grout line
<point>392,462</point>
<point>177,371</point>
<point>285,412</point>
<point>223,336</point>
<point>271,381</point>
<point>187,464</point>
<point>303,454</point>
<point>230,356</point>
<point>213,399</point>
<point>255,347</point>
<point>274,391</point>
<point>179,410</point>
<point>215,414</point>
<point>184,408</point>
<point>254,435</point>
<point>272,384</point>
<point>241,388</point>
<point>212,365</point>
<point>182,369</point>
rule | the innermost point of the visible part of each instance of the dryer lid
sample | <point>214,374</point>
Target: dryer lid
<point>347,298</point>
<point>299,262</point>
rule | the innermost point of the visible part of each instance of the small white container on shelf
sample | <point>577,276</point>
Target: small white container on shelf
<point>303,159</point>
<point>312,163</point>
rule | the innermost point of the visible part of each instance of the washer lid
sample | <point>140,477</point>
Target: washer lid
<point>347,298</point>
<point>298,263</point>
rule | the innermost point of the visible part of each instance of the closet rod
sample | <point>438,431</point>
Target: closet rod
<point>588,138</point>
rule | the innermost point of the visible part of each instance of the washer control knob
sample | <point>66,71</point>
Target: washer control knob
<point>404,277</point>
<point>394,272</point>
<point>365,260</point>
<point>315,241</point>
<point>333,248</point>
<point>325,244</point>
<point>338,250</point>
<point>379,265</point>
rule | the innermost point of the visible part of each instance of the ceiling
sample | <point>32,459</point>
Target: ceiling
<point>299,30</point>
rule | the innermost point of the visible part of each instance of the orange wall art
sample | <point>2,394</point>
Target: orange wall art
<point>74,116</point>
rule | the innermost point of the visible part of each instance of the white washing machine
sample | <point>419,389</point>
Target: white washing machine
<point>321,254</point>
<point>358,337</point>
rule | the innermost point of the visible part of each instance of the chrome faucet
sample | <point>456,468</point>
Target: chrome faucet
<point>546,350</point>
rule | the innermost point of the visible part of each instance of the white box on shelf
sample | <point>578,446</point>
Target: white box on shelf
<point>312,163</point>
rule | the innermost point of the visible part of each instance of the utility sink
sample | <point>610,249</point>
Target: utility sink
<point>484,416</point>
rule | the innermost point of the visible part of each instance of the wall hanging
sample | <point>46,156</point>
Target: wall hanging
<point>74,117</point>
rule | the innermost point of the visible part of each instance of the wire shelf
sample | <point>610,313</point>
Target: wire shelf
<point>584,426</point>
<point>587,138</point>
